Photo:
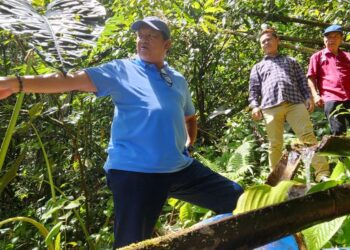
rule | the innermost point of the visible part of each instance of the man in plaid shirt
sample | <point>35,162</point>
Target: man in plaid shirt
<point>278,92</point>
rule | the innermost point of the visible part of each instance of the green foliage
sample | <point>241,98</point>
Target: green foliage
<point>341,171</point>
<point>342,239</point>
<point>11,173</point>
<point>41,228</point>
<point>186,214</point>
<point>214,46</point>
<point>242,156</point>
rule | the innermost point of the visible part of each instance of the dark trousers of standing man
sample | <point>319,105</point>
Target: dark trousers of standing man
<point>139,197</point>
<point>338,114</point>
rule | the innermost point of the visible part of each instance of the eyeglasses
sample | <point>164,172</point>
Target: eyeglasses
<point>166,77</point>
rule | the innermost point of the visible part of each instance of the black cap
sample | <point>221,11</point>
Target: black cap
<point>155,23</point>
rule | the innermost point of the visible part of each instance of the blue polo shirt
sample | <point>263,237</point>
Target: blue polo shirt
<point>148,132</point>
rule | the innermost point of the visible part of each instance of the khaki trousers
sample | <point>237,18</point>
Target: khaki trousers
<point>298,118</point>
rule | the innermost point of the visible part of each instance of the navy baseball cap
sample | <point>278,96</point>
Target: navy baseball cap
<point>333,28</point>
<point>155,23</point>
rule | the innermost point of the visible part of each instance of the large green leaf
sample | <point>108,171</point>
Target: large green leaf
<point>263,195</point>
<point>62,35</point>
<point>317,236</point>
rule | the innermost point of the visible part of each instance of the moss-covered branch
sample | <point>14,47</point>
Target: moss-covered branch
<point>258,227</point>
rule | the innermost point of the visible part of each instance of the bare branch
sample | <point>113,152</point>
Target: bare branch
<point>275,17</point>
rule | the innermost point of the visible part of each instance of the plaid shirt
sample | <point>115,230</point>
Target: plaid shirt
<point>275,80</point>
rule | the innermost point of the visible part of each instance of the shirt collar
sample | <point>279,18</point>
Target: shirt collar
<point>266,57</point>
<point>326,51</point>
<point>146,65</point>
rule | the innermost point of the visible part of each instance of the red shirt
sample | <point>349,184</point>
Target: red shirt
<point>332,74</point>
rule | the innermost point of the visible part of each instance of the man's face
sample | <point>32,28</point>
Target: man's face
<point>269,44</point>
<point>151,46</point>
<point>333,40</point>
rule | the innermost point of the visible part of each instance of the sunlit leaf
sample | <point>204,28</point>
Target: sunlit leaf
<point>74,204</point>
<point>185,212</point>
<point>323,186</point>
<point>263,195</point>
<point>53,232</point>
<point>317,236</point>
<point>58,242</point>
<point>49,213</point>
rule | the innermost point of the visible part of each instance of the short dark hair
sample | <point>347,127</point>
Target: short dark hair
<point>268,31</point>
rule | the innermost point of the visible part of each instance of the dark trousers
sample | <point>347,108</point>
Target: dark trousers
<point>139,197</point>
<point>338,113</point>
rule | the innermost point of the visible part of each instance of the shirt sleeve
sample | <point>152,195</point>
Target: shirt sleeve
<point>302,80</point>
<point>312,70</point>
<point>105,77</point>
<point>254,88</point>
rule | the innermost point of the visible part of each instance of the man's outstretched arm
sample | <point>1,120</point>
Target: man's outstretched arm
<point>48,83</point>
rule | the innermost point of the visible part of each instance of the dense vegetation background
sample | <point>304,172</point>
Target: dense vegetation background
<point>214,47</point>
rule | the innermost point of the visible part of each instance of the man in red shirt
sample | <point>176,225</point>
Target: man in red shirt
<point>329,80</point>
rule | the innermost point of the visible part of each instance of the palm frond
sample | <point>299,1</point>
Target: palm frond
<point>62,35</point>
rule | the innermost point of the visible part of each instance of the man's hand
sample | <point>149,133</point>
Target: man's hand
<point>310,105</point>
<point>256,114</point>
<point>318,101</point>
<point>314,90</point>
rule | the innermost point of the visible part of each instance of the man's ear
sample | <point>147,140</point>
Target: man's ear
<point>167,44</point>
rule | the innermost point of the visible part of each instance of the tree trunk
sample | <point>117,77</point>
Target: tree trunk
<point>258,227</point>
<point>288,164</point>
<point>285,168</point>
<point>334,145</point>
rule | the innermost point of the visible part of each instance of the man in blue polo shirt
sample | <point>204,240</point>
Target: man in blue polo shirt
<point>153,125</point>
